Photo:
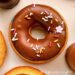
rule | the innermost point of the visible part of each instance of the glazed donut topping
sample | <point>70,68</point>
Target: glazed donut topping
<point>41,18</point>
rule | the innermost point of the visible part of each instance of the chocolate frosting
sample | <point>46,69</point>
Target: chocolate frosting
<point>42,49</point>
<point>4,1</point>
<point>8,4</point>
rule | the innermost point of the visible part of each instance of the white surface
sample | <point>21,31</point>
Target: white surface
<point>55,67</point>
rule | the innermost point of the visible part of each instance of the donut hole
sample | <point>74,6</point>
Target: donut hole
<point>38,32</point>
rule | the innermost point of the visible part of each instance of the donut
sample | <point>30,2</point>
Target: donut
<point>8,4</point>
<point>24,70</point>
<point>42,18</point>
<point>70,56</point>
<point>3,49</point>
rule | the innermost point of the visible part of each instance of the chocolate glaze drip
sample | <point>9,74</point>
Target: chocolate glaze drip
<point>42,49</point>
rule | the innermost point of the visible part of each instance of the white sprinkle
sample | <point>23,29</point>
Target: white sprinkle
<point>49,28</point>
<point>58,45</point>
<point>27,17</point>
<point>14,39</point>
<point>50,16</point>
<point>33,5</point>
<point>44,19</point>
<point>42,49</point>
<point>28,40</point>
<point>12,29</point>
<point>62,22</point>
<point>31,14</point>
<point>15,35</point>
<point>51,21</point>
<point>56,40</point>
<point>34,48</point>
<point>42,13</point>
<point>31,45</point>
<point>46,11</point>
<point>56,20</point>
<point>37,47</point>
<point>59,29</point>
<point>38,55</point>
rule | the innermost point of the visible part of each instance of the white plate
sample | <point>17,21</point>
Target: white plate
<point>55,67</point>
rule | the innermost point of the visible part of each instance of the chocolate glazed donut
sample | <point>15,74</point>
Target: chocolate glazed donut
<point>8,4</point>
<point>33,49</point>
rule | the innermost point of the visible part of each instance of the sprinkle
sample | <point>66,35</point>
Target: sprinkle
<point>31,45</point>
<point>46,11</point>
<point>50,16</point>
<point>50,44</point>
<point>41,49</point>
<point>59,29</point>
<point>58,45</point>
<point>49,28</point>
<point>47,17</point>
<point>62,22</point>
<point>14,38</point>
<point>34,48</point>
<point>38,55</point>
<point>27,17</point>
<point>37,47</point>
<point>51,21</point>
<point>56,20</point>
<point>12,29</point>
<point>31,14</point>
<point>42,13</point>
<point>33,5</point>
<point>15,31</point>
<point>28,40</point>
<point>15,35</point>
<point>56,40</point>
<point>44,19</point>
